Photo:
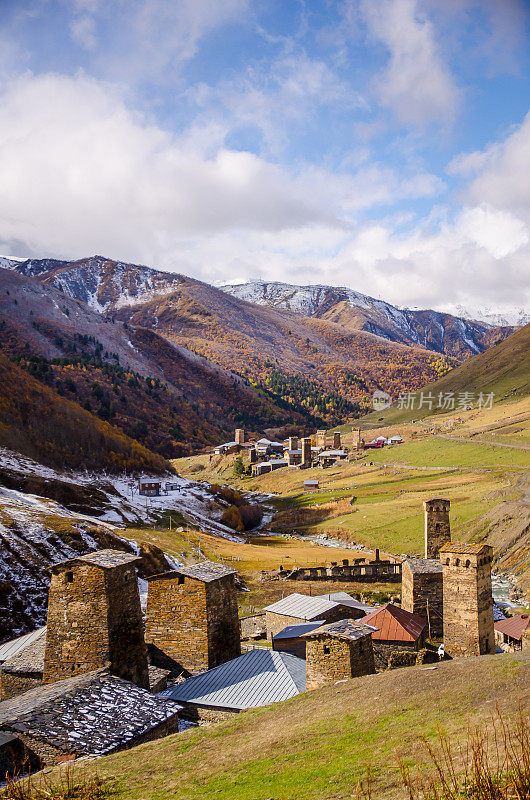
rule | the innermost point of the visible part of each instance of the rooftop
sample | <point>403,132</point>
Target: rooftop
<point>332,453</point>
<point>514,626</point>
<point>344,629</point>
<point>465,547</point>
<point>206,571</point>
<point>30,658</point>
<point>395,624</point>
<point>302,606</point>
<point>10,649</point>
<point>257,678</point>
<point>294,631</point>
<point>90,714</point>
<point>346,599</point>
<point>424,565</point>
<point>106,559</point>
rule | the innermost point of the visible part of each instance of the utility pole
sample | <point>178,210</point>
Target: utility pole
<point>428,618</point>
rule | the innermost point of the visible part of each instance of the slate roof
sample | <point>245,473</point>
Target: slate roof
<point>343,629</point>
<point>463,547</point>
<point>294,631</point>
<point>206,571</point>
<point>424,565</point>
<point>347,600</point>
<point>90,714</point>
<point>106,559</point>
<point>514,626</point>
<point>257,678</point>
<point>30,658</point>
<point>11,648</point>
<point>302,606</point>
<point>7,738</point>
<point>394,624</point>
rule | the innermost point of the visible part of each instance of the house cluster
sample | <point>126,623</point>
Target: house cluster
<point>266,455</point>
<point>380,441</point>
<point>360,570</point>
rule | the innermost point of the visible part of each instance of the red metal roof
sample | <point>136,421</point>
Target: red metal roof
<point>394,624</point>
<point>514,626</point>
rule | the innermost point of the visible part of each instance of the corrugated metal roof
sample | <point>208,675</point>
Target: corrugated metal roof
<point>302,606</point>
<point>395,624</point>
<point>257,678</point>
<point>346,599</point>
<point>514,626</point>
<point>30,659</point>
<point>293,631</point>
<point>10,649</point>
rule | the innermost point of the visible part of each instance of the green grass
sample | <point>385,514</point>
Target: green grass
<point>436,452</point>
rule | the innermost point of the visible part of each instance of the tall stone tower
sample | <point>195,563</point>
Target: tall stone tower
<point>306,452</point>
<point>336,441</point>
<point>192,617</point>
<point>95,618</point>
<point>437,525</point>
<point>240,436</point>
<point>467,600</point>
<point>321,439</point>
<point>293,443</point>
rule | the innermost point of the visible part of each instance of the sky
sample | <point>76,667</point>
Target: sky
<point>382,145</point>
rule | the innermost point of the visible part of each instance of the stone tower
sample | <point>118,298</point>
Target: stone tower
<point>95,618</point>
<point>192,617</point>
<point>437,526</point>
<point>240,436</point>
<point>293,443</point>
<point>336,441</point>
<point>339,650</point>
<point>467,600</point>
<point>306,452</point>
<point>321,439</point>
<point>422,592</point>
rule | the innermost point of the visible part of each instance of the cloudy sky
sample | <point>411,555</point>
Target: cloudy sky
<point>378,144</point>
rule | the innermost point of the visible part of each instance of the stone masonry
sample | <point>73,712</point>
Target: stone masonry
<point>192,617</point>
<point>240,436</point>
<point>422,592</point>
<point>336,441</point>
<point>467,600</point>
<point>277,622</point>
<point>95,619</point>
<point>306,451</point>
<point>437,526</point>
<point>337,651</point>
<point>321,439</point>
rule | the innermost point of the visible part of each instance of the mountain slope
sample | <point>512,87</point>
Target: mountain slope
<point>434,330</point>
<point>503,370</point>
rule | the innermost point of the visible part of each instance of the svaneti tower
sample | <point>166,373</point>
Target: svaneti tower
<point>95,619</point>
<point>192,617</point>
<point>437,525</point>
<point>467,602</point>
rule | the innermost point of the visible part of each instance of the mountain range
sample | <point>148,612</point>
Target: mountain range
<point>175,363</point>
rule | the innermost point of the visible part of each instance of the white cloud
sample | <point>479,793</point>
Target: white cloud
<point>83,31</point>
<point>415,84</point>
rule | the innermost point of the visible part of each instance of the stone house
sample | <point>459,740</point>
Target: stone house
<point>397,630</point>
<point>257,678</point>
<point>95,618</point>
<point>87,715</point>
<point>192,620</point>
<point>149,488</point>
<point>468,602</point>
<point>340,650</point>
<point>422,592</point>
<point>298,608</point>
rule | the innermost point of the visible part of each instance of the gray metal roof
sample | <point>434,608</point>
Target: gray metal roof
<point>29,659</point>
<point>257,678</point>
<point>332,453</point>
<point>346,599</point>
<point>302,606</point>
<point>10,649</point>
<point>293,631</point>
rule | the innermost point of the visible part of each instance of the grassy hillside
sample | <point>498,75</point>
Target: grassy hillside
<point>320,744</point>
<point>504,369</point>
<point>37,422</point>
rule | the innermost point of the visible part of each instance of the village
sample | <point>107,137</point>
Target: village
<point>107,673</point>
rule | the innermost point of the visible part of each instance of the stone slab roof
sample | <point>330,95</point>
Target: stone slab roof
<point>257,678</point>
<point>465,548</point>
<point>106,559</point>
<point>206,571</point>
<point>90,714</point>
<point>29,659</point>
<point>343,629</point>
<point>7,738</point>
<point>424,565</point>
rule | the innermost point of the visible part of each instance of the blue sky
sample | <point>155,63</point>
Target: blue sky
<point>382,145</point>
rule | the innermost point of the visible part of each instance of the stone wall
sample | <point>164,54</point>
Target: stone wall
<point>422,594</point>
<point>95,620</point>
<point>437,526</point>
<point>14,683</point>
<point>15,759</point>
<point>330,658</point>
<point>195,713</point>
<point>296,646</point>
<point>468,604</point>
<point>192,624</point>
